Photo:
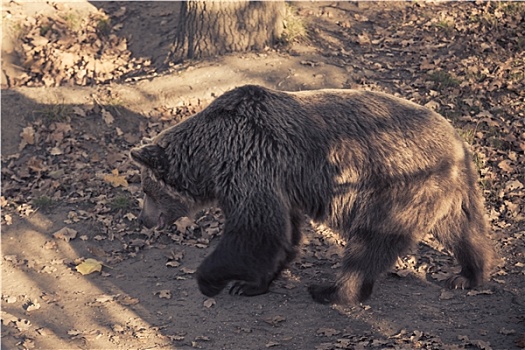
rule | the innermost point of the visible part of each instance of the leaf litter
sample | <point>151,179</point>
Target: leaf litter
<point>89,266</point>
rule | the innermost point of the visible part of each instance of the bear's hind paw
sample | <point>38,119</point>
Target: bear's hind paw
<point>460,282</point>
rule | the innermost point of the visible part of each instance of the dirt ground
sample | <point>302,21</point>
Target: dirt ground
<point>70,192</point>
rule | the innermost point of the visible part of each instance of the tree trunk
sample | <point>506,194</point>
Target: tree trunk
<point>209,28</point>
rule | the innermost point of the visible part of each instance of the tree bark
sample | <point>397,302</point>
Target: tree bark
<point>209,28</point>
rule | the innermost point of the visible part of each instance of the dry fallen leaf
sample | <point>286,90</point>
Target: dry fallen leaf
<point>271,344</point>
<point>164,294</point>
<point>8,219</point>
<point>105,298</point>
<point>65,233</point>
<point>209,302</point>
<point>11,300</point>
<point>173,263</point>
<point>274,321</point>
<point>187,270</point>
<point>32,306</point>
<point>506,165</point>
<point>79,111</point>
<point>174,259</point>
<point>513,185</point>
<point>28,137</point>
<point>108,118</point>
<point>22,324</point>
<point>89,266</point>
<point>74,332</point>
<point>115,179</point>
<point>183,223</point>
<point>175,337</point>
<point>55,151</point>
<point>27,343</point>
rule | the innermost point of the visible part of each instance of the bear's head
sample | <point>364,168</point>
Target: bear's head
<point>162,204</point>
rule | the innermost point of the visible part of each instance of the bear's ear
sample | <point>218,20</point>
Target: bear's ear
<point>150,156</point>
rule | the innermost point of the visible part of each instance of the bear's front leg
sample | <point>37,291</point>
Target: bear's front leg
<point>212,278</point>
<point>251,273</point>
<point>210,286</point>
<point>256,245</point>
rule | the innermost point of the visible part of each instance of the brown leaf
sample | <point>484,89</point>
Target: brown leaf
<point>173,263</point>
<point>127,300</point>
<point>55,151</point>
<point>35,164</point>
<point>32,306</point>
<point>22,325</point>
<point>513,185</point>
<point>66,59</point>
<point>89,266</point>
<point>108,117</point>
<point>79,111</point>
<point>187,271</point>
<point>272,344</point>
<point>505,165</point>
<point>183,223</point>
<point>363,39</point>
<point>28,137</point>
<point>38,41</point>
<point>105,298</point>
<point>164,294</point>
<point>425,65</point>
<point>209,303</point>
<point>65,233</point>
<point>275,320</point>
<point>116,180</point>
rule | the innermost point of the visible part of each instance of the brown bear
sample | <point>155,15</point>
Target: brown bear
<point>379,170</point>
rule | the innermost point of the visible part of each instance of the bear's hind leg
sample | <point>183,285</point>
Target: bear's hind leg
<point>367,255</point>
<point>464,232</point>
<point>296,221</point>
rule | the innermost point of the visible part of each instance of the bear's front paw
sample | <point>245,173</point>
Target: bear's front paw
<point>323,294</point>
<point>248,288</point>
<point>209,288</point>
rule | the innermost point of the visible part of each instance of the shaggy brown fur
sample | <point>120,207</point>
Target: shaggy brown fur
<point>379,170</point>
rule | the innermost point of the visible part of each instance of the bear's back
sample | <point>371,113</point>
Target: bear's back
<point>336,112</point>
